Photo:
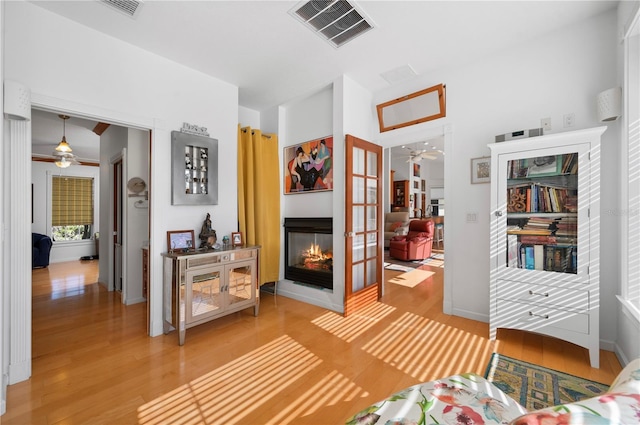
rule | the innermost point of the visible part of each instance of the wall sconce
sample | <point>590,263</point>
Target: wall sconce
<point>609,104</point>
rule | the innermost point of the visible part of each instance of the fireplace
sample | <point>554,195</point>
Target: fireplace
<point>308,251</point>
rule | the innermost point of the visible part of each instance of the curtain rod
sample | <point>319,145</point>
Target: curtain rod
<point>268,136</point>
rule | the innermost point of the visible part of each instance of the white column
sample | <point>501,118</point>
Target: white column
<point>19,237</point>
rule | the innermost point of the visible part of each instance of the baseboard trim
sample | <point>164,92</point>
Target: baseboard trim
<point>470,315</point>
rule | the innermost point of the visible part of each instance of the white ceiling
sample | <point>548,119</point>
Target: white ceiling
<point>273,58</point>
<point>46,133</point>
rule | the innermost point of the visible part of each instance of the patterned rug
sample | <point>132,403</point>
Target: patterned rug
<point>536,387</point>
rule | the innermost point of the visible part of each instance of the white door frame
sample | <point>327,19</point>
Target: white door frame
<point>20,313</point>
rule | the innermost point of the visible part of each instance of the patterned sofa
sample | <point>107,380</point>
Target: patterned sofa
<point>470,399</point>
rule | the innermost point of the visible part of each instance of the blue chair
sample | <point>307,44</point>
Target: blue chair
<point>41,250</point>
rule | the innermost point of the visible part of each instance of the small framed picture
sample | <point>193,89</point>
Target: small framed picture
<point>180,240</point>
<point>481,170</point>
<point>236,239</point>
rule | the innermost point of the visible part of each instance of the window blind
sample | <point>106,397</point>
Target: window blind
<point>72,201</point>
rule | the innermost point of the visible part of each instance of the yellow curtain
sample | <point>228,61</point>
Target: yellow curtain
<point>259,197</point>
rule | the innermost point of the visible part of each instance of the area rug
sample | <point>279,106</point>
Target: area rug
<point>536,387</point>
<point>436,260</point>
<point>397,267</point>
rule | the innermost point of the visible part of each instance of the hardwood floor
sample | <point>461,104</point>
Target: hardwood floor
<point>294,363</point>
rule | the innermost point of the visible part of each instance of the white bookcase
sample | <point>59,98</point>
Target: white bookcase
<point>545,220</point>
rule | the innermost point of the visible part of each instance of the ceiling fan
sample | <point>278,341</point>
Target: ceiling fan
<point>418,155</point>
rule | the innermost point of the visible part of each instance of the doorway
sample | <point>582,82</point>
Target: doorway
<point>428,133</point>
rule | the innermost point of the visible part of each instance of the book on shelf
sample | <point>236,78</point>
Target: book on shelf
<point>529,232</point>
<point>538,239</point>
<point>538,257</point>
<point>512,250</point>
<point>529,257</point>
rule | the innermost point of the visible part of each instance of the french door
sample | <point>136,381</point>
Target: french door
<point>363,216</point>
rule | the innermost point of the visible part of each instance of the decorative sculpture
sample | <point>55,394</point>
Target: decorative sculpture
<point>207,235</point>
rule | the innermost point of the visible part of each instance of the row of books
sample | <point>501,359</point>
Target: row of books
<point>535,197</point>
<point>557,258</point>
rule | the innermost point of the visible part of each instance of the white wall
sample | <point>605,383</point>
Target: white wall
<point>134,88</point>
<point>248,117</point>
<point>41,173</point>
<point>307,119</point>
<point>512,90</point>
<point>137,213</point>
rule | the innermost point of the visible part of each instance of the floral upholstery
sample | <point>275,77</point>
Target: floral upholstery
<point>469,399</point>
<point>459,399</point>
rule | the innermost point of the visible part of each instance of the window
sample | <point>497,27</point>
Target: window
<point>71,208</point>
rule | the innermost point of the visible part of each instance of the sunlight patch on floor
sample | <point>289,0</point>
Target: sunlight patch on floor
<point>334,388</point>
<point>232,391</point>
<point>349,328</point>
<point>410,342</point>
<point>412,278</point>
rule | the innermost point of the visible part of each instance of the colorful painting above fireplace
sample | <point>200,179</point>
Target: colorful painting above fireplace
<point>308,166</point>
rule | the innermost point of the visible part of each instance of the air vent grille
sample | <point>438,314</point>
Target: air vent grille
<point>128,7</point>
<point>337,21</point>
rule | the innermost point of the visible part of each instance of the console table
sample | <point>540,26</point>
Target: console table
<point>200,286</point>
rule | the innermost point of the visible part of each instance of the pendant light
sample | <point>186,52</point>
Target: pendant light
<point>62,153</point>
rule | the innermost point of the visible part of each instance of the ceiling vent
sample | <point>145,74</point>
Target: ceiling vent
<point>337,21</point>
<point>130,8</point>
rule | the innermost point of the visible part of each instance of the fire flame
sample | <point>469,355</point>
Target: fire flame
<point>314,257</point>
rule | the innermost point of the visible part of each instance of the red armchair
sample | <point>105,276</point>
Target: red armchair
<point>415,245</point>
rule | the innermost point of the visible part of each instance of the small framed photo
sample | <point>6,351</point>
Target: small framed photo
<point>236,239</point>
<point>180,240</point>
<point>481,170</point>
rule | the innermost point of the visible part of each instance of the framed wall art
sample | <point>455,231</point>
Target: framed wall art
<point>308,166</point>
<point>481,170</point>
<point>236,239</point>
<point>194,169</point>
<point>416,170</point>
<point>180,240</point>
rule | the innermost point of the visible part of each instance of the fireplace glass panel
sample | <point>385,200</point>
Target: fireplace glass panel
<point>311,251</point>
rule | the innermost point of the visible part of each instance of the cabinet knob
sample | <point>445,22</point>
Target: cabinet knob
<point>498,213</point>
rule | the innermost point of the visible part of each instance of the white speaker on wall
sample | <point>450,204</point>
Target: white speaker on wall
<point>609,104</point>
<point>17,101</point>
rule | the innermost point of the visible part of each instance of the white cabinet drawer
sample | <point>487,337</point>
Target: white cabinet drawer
<point>535,317</point>
<point>545,295</point>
